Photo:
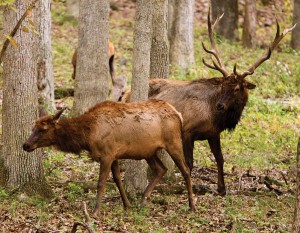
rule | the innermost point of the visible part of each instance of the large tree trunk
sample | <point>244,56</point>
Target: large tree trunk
<point>228,25</point>
<point>249,32</point>
<point>136,171</point>
<point>296,222</point>
<point>295,43</point>
<point>159,58</point>
<point>182,39</point>
<point>19,169</point>
<point>44,62</point>
<point>92,83</point>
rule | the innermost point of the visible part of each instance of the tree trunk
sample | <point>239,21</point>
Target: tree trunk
<point>19,169</point>
<point>73,8</point>
<point>136,171</point>
<point>182,39</point>
<point>249,32</point>
<point>91,83</point>
<point>44,62</point>
<point>296,222</point>
<point>171,6</point>
<point>159,56</point>
<point>295,43</point>
<point>228,25</point>
<point>159,59</point>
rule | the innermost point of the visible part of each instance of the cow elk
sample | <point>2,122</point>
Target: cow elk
<point>110,131</point>
<point>209,106</point>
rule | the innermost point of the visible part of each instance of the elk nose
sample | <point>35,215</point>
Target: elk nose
<point>25,146</point>
<point>220,107</point>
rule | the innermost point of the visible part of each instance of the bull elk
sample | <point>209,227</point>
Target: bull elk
<point>118,83</point>
<point>209,106</point>
<point>110,131</point>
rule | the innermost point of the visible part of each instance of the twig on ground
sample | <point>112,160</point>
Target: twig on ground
<point>284,178</point>
<point>87,225</point>
<point>268,182</point>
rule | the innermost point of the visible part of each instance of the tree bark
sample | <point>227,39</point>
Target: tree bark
<point>18,169</point>
<point>44,62</point>
<point>159,56</point>
<point>249,32</point>
<point>136,171</point>
<point>159,59</point>
<point>295,42</point>
<point>182,39</point>
<point>296,222</point>
<point>228,25</point>
<point>171,6</point>
<point>92,83</point>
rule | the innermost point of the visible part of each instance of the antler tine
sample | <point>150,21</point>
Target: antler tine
<point>240,75</point>
<point>279,37</point>
<point>217,21</point>
<point>215,66</point>
<point>214,51</point>
<point>267,54</point>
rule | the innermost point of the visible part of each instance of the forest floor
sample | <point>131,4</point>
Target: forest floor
<point>259,154</point>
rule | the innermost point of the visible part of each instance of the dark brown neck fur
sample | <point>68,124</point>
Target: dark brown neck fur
<point>230,118</point>
<point>71,135</point>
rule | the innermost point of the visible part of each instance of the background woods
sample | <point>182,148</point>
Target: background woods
<point>260,155</point>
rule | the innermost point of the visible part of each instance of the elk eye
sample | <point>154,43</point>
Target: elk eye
<point>43,129</point>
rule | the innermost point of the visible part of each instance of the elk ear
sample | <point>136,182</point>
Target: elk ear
<point>58,114</point>
<point>249,86</point>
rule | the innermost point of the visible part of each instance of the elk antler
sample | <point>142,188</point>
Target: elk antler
<point>267,54</point>
<point>220,66</point>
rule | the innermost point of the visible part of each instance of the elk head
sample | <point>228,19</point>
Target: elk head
<point>234,86</point>
<point>43,132</point>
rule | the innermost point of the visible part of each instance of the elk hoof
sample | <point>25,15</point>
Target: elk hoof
<point>193,208</point>
<point>95,212</point>
<point>127,206</point>
<point>222,192</point>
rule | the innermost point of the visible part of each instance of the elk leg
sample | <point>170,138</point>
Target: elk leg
<point>105,167</point>
<point>115,168</point>
<point>188,147</point>
<point>158,169</point>
<point>215,146</point>
<point>185,171</point>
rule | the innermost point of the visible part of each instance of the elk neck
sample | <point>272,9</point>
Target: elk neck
<point>231,117</point>
<point>71,135</point>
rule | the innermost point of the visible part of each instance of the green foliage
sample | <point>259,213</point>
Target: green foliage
<point>73,191</point>
<point>6,2</point>
<point>60,16</point>
<point>3,194</point>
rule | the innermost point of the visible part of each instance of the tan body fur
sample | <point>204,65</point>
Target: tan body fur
<point>111,131</point>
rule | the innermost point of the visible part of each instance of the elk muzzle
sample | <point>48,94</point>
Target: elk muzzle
<point>28,148</point>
